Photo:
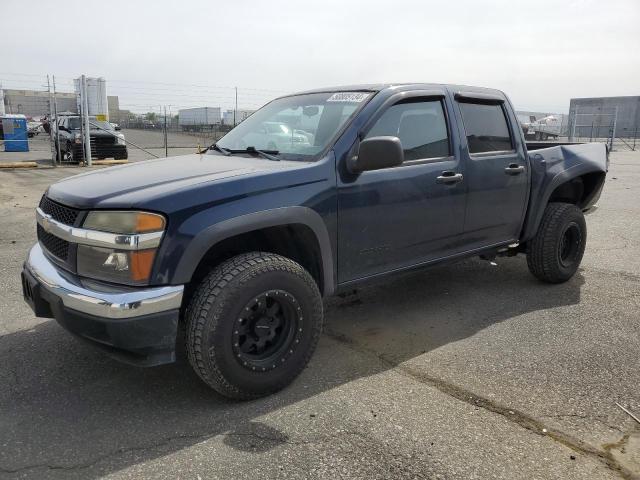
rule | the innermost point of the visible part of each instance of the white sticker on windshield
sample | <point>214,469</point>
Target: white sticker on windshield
<point>351,97</point>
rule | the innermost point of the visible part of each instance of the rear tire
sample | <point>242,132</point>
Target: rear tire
<point>555,252</point>
<point>253,324</point>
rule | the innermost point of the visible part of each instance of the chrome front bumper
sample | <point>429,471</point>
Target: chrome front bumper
<point>98,299</point>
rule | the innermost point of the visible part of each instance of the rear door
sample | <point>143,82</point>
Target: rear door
<point>398,217</point>
<point>496,174</point>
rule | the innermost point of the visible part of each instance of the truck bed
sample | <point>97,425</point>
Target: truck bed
<point>546,144</point>
<point>561,156</point>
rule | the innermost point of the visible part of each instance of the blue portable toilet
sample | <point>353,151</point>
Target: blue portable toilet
<point>15,133</point>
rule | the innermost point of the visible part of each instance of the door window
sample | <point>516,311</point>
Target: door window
<point>486,128</point>
<point>420,125</point>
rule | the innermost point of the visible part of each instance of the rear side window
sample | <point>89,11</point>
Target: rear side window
<point>420,126</point>
<point>486,128</point>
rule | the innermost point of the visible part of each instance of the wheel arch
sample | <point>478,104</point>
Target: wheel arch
<point>298,233</point>
<point>582,190</point>
<point>579,190</point>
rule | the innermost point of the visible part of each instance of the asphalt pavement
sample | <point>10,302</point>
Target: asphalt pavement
<point>466,371</point>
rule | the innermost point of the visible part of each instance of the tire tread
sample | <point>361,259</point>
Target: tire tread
<point>541,249</point>
<point>210,297</point>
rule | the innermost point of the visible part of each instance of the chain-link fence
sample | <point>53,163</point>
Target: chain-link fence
<point>595,124</point>
<point>152,119</point>
<point>627,139</point>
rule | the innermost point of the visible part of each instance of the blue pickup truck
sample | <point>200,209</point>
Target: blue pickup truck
<point>236,247</point>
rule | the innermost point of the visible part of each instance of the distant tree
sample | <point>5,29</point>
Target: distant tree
<point>151,116</point>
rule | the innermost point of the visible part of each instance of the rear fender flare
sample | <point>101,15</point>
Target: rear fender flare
<point>535,216</point>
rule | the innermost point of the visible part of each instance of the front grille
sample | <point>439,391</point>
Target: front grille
<point>54,245</point>
<point>59,212</point>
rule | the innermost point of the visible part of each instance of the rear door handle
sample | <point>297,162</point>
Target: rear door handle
<point>514,169</point>
<point>449,177</point>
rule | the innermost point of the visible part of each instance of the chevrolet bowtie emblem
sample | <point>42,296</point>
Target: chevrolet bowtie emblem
<point>46,221</point>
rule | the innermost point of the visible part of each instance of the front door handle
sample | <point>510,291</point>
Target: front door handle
<point>449,177</point>
<point>514,169</point>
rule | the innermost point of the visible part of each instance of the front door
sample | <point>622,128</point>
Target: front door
<point>398,217</point>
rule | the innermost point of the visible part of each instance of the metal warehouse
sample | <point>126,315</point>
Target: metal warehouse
<point>34,103</point>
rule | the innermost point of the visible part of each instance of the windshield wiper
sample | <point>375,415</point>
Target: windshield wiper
<point>268,154</point>
<point>222,150</point>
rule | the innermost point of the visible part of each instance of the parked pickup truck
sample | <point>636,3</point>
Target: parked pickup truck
<point>237,246</point>
<point>105,140</point>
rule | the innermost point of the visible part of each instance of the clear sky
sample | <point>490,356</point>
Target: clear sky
<point>188,53</point>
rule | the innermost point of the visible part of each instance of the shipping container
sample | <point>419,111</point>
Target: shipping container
<point>201,118</point>
<point>228,117</point>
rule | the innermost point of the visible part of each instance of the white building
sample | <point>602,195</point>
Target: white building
<point>97,102</point>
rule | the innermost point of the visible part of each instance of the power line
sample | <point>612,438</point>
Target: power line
<point>146,82</point>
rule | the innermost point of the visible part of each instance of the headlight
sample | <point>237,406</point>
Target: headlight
<point>131,267</point>
<point>124,222</point>
<point>120,139</point>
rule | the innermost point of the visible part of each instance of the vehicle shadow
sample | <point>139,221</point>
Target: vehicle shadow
<point>69,411</point>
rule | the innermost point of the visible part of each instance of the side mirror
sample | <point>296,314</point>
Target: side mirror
<point>376,153</point>
<point>63,128</point>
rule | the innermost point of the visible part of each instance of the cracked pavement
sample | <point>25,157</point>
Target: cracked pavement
<point>462,371</point>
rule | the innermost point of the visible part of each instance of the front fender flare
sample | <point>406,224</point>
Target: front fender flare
<point>214,234</point>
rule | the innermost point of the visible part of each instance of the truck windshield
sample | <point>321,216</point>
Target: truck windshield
<point>298,127</point>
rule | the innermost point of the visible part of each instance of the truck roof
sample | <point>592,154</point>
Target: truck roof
<point>377,87</point>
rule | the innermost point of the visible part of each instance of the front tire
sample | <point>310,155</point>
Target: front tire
<point>555,252</point>
<point>253,324</point>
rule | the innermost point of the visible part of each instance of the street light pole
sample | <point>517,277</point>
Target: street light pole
<point>55,114</point>
<point>51,132</point>
<point>85,115</point>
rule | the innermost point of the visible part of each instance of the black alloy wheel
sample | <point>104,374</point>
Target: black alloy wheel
<point>268,330</point>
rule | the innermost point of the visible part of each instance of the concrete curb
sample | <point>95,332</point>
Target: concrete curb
<point>19,165</point>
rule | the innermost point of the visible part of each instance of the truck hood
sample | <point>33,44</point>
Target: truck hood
<point>96,133</point>
<point>130,185</point>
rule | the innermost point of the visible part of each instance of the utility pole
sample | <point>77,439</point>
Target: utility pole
<point>235,110</point>
<point>615,123</point>
<point>55,115</point>
<point>2,112</point>
<point>51,129</point>
<point>85,115</point>
<point>166,150</point>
